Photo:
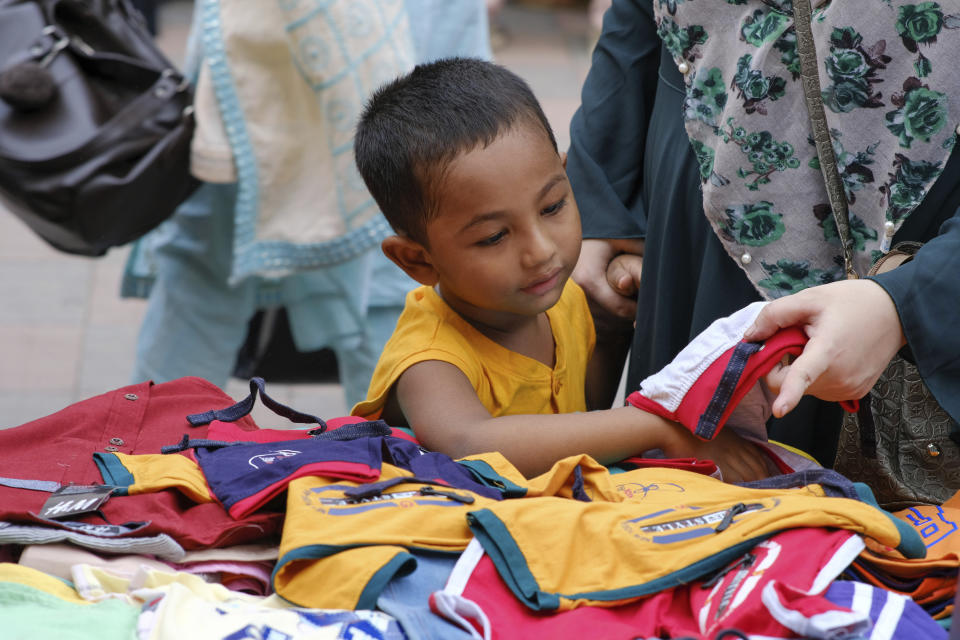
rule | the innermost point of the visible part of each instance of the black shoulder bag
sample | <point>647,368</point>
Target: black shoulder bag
<point>95,123</point>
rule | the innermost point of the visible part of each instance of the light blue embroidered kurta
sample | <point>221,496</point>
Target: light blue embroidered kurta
<point>218,259</point>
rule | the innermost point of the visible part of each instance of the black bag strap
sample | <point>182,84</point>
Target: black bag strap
<point>368,429</point>
<point>107,25</point>
<point>242,408</point>
<point>55,40</point>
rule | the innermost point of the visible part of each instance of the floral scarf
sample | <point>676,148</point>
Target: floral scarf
<point>889,75</point>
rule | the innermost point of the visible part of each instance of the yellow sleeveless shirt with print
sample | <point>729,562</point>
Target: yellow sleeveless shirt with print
<point>506,382</point>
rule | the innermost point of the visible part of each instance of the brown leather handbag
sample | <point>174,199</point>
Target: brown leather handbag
<point>899,442</point>
<point>95,123</point>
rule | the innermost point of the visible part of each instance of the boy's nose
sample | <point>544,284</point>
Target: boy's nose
<point>539,248</point>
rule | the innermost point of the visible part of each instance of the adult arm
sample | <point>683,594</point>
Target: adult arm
<point>607,138</point>
<point>856,327</point>
<point>926,292</point>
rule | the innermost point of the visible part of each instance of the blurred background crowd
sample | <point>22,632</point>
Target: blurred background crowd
<point>67,333</point>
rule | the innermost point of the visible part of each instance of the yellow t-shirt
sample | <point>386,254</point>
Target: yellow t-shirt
<point>506,382</point>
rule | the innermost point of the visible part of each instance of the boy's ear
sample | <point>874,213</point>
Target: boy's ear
<point>412,257</point>
<point>563,158</point>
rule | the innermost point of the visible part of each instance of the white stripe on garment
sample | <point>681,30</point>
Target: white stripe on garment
<point>862,597</point>
<point>889,618</point>
<point>464,568</point>
<point>845,555</point>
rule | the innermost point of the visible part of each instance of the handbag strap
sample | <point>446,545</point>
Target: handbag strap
<point>806,50</point>
<point>240,409</point>
<point>54,40</point>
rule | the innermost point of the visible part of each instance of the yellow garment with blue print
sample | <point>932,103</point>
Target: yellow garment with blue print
<point>668,527</point>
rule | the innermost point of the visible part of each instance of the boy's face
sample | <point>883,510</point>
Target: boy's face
<point>506,234</point>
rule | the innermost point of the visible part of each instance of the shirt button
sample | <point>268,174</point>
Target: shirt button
<point>117,441</point>
<point>933,450</point>
<point>684,68</point>
<point>746,258</point>
<point>110,447</point>
<point>556,386</point>
<point>130,396</point>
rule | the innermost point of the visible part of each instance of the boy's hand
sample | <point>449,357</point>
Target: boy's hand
<point>739,460</point>
<point>775,377</point>
<point>591,274</point>
<point>623,274</point>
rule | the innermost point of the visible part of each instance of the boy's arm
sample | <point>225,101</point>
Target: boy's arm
<point>441,405</point>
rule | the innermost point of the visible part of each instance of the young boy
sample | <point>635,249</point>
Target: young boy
<point>492,352</point>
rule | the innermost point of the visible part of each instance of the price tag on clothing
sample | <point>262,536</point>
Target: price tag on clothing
<point>73,500</point>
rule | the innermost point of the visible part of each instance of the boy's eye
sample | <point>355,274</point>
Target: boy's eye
<point>494,239</point>
<point>555,207</point>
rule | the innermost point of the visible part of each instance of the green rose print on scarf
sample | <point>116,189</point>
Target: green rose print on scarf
<point>887,83</point>
<point>859,231</point>
<point>680,40</point>
<point>852,69</point>
<point>763,26</point>
<point>787,46</point>
<point>853,167</point>
<point>752,224</point>
<point>765,154</point>
<point>706,97</point>
<point>754,87</point>
<point>920,24</point>
<point>920,114</point>
<point>906,189</point>
<point>790,276</point>
<point>671,5</point>
<point>705,157</point>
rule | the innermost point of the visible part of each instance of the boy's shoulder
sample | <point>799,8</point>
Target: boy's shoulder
<point>427,323</point>
<point>425,312</point>
<point>427,329</point>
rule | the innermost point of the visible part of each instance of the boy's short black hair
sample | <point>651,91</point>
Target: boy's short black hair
<point>413,127</point>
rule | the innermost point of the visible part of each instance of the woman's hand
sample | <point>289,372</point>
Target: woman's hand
<point>591,273</point>
<point>854,332</point>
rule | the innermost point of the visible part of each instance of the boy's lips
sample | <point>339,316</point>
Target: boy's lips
<point>542,285</point>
